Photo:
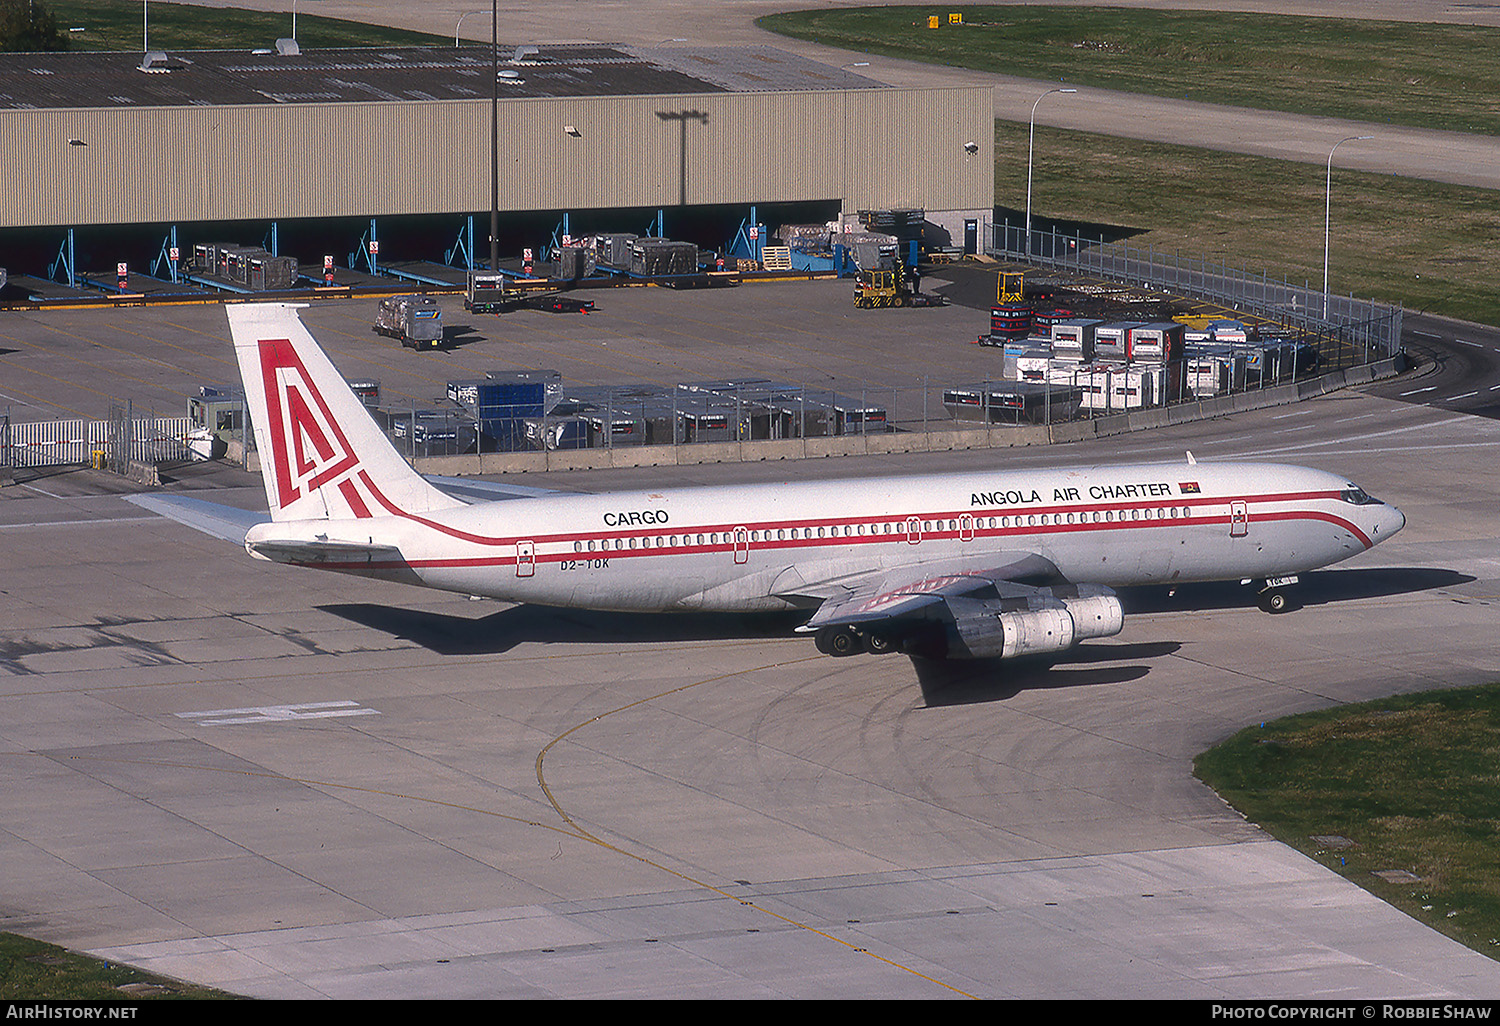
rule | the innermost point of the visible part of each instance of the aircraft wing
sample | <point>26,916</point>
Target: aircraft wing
<point>1000,604</point>
<point>225,522</point>
<point>474,489</point>
<point>919,590</point>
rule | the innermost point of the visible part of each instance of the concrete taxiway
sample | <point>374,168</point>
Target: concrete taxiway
<point>290,784</point>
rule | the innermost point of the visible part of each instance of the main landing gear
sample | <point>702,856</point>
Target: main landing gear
<point>846,641</point>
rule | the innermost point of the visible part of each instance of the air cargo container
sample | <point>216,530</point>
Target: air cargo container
<point>1008,321</point>
<point>1214,370</point>
<point>1023,349</point>
<point>574,262</point>
<point>1136,386</point>
<point>1277,359</point>
<point>488,293</point>
<point>554,433</point>
<point>502,400</point>
<point>1160,342</point>
<point>1074,339</point>
<point>1094,382</point>
<point>1010,402</point>
<point>857,417</point>
<point>614,250</point>
<point>430,432</point>
<point>415,321</point>
<point>651,258</point>
<point>271,273</point>
<point>1229,331</point>
<point>1112,341</point>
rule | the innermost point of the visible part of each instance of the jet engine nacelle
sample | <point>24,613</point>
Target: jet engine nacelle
<point>1052,625</point>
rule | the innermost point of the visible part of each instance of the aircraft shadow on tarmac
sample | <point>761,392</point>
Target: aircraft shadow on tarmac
<point>1315,589</point>
<point>504,630</point>
<point>975,681</point>
<point>943,683</point>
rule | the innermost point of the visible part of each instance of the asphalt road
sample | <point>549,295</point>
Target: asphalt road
<point>1456,366</point>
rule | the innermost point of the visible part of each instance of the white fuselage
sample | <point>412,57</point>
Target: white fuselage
<point>748,547</point>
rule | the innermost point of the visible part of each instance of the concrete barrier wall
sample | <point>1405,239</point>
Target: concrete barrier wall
<point>945,440</point>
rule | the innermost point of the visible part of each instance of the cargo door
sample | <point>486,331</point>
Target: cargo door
<point>525,558</point>
<point>741,545</point>
<point>1239,520</point>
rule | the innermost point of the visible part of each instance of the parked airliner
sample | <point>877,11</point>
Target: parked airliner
<point>979,564</point>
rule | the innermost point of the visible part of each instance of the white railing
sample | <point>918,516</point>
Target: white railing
<point>51,443</point>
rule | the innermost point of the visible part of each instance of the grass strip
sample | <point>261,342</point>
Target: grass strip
<point>1408,73</point>
<point>1425,245</point>
<point>1399,796</point>
<point>36,971</point>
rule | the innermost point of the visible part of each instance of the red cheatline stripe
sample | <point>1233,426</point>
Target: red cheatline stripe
<point>728,545</point>
<point>555,539</point>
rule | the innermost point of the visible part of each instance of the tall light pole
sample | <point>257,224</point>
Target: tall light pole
<point>1327,210</point>
<point>494,136</point>
<point>1030,150</point>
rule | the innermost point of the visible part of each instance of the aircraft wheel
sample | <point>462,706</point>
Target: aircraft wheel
<point>1275,601</point>
<point>880,644</point>
<point>839,641</point>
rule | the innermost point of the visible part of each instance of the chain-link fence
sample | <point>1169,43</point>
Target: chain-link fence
<point>1299,334</point>
<point>1346,331</point>
<point>1045,391</point>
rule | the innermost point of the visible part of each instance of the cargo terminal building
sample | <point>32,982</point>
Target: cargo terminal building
<point>122,146</point>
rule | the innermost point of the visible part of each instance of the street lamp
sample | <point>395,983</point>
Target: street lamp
<point>1030,150</point>
<point>1327,209</point>
<point>459,27</point>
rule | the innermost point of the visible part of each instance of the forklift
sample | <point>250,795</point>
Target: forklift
<point>891,287</point>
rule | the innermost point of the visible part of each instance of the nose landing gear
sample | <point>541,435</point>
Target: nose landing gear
<point>1273,598</point>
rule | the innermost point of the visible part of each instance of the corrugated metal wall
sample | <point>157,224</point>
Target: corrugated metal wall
<point>870,148</point>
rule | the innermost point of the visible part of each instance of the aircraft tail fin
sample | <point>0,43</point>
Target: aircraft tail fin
<point>322,455</point>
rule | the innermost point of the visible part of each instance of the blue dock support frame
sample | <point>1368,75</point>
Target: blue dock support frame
<point>168,247</point>
<point>745,246</point>
<point>65,261</point>
<point>464,245</point>
<point>369,251</point>
<point>562,231</point>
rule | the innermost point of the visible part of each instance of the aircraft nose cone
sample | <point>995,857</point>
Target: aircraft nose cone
<point>1390,521</point>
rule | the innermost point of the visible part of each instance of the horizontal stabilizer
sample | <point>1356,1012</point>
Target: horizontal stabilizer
<point>225,522</point>
<point>324,553</point>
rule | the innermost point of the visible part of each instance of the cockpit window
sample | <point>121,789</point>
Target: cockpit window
<point>1358,496</point>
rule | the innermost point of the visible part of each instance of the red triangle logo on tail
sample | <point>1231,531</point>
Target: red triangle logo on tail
<point>309,449</point>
